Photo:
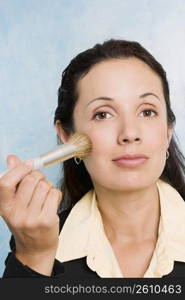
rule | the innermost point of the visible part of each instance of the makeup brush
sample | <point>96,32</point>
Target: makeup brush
<point>79,145</point>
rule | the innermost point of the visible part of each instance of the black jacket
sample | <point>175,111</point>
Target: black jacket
<point>74,268</point>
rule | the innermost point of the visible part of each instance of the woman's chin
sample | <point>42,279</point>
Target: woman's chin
<point>131,183</point>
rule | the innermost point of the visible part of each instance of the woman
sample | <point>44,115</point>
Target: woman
<point>126,200</point>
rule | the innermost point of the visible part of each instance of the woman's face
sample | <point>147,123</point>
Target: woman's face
<point>121,107</point>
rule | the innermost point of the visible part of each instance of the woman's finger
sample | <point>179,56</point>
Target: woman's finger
<point>8,186</point>
<point>13,161</point>
<point>39,197</point>
<point>15,175</point>
<point>26,189</point>
<point>51,204</point>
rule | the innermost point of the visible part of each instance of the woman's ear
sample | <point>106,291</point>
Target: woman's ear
<point>169,135</point>
<point>64,137</point>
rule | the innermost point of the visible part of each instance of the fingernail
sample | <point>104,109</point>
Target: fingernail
<point>10,164</point>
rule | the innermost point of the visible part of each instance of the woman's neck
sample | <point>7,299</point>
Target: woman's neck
<point>130,216</point>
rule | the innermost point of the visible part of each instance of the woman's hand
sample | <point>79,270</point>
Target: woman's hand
<point>28,204</point>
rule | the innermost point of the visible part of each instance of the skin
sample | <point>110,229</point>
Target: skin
<point>28,204</point>
<point>124,124</point>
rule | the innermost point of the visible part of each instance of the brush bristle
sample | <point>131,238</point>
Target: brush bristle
<point>82,143</point>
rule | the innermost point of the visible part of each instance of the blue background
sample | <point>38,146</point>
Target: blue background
<point>38,38</point>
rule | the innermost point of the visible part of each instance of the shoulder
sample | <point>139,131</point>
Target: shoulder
<point>178,270</point>
<point>78,268</point>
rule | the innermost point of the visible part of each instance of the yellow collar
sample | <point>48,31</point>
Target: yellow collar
<point>173,218</point>
<point>83,235</point>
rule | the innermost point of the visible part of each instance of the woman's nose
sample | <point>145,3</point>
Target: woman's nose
<point>129,140</point>
<point>129,133</point>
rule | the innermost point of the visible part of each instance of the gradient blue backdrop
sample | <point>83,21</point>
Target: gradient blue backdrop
<point>38,38</point>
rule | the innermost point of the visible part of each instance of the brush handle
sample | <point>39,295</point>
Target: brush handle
<point>60,154</point>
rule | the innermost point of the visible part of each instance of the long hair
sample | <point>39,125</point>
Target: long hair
<point>76,180</point>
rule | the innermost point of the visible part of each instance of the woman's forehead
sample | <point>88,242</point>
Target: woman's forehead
<point>127,76</point>
<point>122,66</point>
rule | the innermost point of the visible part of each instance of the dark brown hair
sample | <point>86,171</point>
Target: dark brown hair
<point>76,180</point>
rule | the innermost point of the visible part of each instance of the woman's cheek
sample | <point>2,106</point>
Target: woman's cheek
<point>102,149</point>
<point>101,145</point>
<point>156,137</point>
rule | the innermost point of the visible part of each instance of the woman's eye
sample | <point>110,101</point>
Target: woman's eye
<point>105,115</point>
<point>101,115</point>
<point>149,112</point>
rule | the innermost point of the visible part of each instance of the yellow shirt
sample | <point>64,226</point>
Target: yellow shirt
<point>83,235</point>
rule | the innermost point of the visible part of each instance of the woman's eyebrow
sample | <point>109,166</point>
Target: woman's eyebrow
<point>149,94</point>
<point>100,98</point>
<point>111,99</point>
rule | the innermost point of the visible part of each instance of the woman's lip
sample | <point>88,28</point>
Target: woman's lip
<point>130,162</point>
<point>130,156</point>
